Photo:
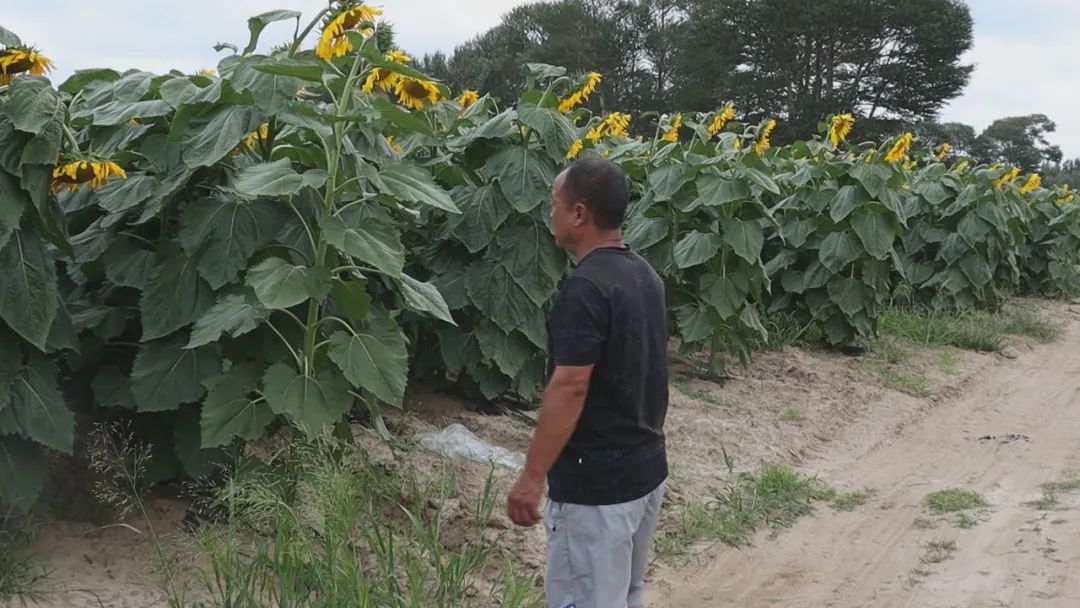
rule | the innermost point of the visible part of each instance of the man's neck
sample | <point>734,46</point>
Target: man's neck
<point>605,239</point>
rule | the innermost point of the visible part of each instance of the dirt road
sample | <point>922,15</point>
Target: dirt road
<point>882,555</point>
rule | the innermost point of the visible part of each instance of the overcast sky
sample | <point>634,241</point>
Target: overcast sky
<point>1027,54</point>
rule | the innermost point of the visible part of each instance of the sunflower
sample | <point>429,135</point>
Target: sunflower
<point>16,60</point>
<point>85,171</point>
<point>943,151</point>
<point>386,78</point>
<point>1033,182</point>
<point>252,139</point>
<point>763,142</point>
<point>721,118</point>
<point>1067,195</point>
<point>334,42</point>
<point>840,127</point>
<point>208,72</point>
<point>614,125</point>
<point>900,149</point>
<point>468,98</point>
<point>738,144</point>
<point>575,149</point>
<point>961,166</point>
<point>592,79</point>
<point>1008,177</point>
<point>413,92</point>
<point>910,165</point>
<point>393,145</point>
<point>672,134</point>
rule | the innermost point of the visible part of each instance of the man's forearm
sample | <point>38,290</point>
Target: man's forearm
<point>559,413</point>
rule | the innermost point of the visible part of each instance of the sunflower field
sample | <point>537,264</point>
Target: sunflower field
<point>296,235</point>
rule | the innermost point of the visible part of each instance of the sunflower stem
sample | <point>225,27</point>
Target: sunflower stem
<point>307,30</point>
<point>70,137</point>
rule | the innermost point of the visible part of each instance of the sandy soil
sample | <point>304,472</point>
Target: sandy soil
<point>1016,556</point>
<point>821,412</point>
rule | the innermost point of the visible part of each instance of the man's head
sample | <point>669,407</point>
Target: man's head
<point>588,202</point>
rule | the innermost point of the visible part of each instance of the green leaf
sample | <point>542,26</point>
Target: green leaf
<point>112,388</point>
<point>259,22</point>
<point>166,374</point>
<point>973,229</point>
<point>120,195</point>
<point>407,182</point>
<point>276,179</point>
<point>977,270</point>
<point>28,292</point>
<point>32,104</point>
<point>529,252</point>
<point>273,93</point>
<point>848,199</point>
<point>313,403</point>
<point>375,359</point>
<point>876,232</point>
<point>372,240</point>
<point>848,294</point>
<point>425,297</point>
<point>13,201</point>
<point>554,128</point>
<point>762,179</point>
<point>22,472</point>
<point>459,348</point>
<point>746,239</point>
<point>232,407</point>
<point>10,362</point>
<point>714,191</point>
<point>510,351</point>
<point>222,235</point>
<point>37,409</point>
<point>62,334</point>
<point>873,176</point>
<point>235,314</point>
<point>644,232</point>
<point>524,176</point>
<point>696,323</point>
<point>838,250</point>
<point>696,248</point>
<point>795,232</point>
<point>128,265</point>
<point>666,180</point>
<point>175,296</point>
<point>81,78</point>
<point>213,133</point>
<point>483,210</point>
<point>121,112</point>
<point>279,284</point>
<point>8,38</point>
<point>498,294</point>
<point>187,443</point>
<point>351,298</point>
<point>725,294</point>
<point>310,70</point>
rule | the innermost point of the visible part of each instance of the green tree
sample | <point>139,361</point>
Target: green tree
<point>885,61</point>
<point>1020,141</point>
<point>960,137</point>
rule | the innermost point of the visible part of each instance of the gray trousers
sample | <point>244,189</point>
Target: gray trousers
<point>596,556</point>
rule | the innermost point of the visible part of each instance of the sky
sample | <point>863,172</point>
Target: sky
<point>1027,54</point>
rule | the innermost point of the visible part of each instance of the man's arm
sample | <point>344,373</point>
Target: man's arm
<point>564,399</point>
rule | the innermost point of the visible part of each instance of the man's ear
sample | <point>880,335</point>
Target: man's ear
<point>581,214</point>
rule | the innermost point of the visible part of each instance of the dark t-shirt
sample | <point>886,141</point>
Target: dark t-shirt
<point>611,312</point>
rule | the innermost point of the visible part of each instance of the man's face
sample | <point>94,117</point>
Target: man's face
<point>566,216</point>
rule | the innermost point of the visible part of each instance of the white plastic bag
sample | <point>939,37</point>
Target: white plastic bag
<point>456,441</point>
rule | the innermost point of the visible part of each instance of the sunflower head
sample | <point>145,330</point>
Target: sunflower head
<point>763,143</point>
<point>92,172</point>
<point>333,42</point>
<point>1067,195</point>
<point>385,78</point>
<point>721,118</point>
<point>672,134</point>
<point>18,60</point>
<point>396,147</point>
<point>575,149</point>
<point>961,166</point>
<point>415,92</point>
<point>840,127</point>
<point>943,151</point>
<point>1033,182</point>
<point>900,149</point>
<point>468,98</point>
<point>252,139</point>
<point>1008,177</point>
<point>592,80</point>
<point>614,125</point>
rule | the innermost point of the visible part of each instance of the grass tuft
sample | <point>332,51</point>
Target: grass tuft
<point>969,330</point>
<point>953,501</point>
<point>853,500</point>
<point>19,576</point>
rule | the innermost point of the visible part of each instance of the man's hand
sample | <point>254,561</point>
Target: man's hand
<point>523,503</point>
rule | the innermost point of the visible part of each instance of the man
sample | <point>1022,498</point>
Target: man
<point>599,439</point>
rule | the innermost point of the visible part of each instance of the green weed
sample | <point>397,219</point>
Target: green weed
<point>952,501</point>
<point>853,500</point>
